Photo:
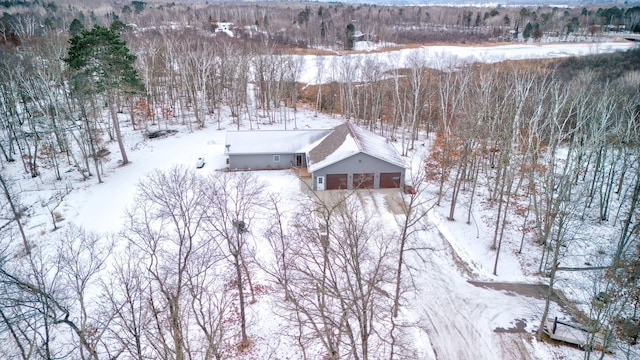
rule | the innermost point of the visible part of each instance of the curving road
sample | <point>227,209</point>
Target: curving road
<point>462,320</point>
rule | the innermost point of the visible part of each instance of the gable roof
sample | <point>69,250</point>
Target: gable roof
<point>347,140</point>
<point>271,141</point>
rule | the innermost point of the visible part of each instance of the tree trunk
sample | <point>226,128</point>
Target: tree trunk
<point>15,212</point>
<point>116,127</point>
<point>241,300</point>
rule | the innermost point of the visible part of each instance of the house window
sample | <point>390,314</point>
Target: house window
<point>276,158</point>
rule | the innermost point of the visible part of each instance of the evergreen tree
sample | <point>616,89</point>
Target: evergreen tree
<point>526,33</point>
<point>76,27</point>
<point>537,32</point>
<point>118,26</point>
<point>138,6</point>
<point>102,64</point>
<point>350,32</point>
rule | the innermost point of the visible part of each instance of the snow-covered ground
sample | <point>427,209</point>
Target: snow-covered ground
<point>324,69</point>
<point>455,319</point>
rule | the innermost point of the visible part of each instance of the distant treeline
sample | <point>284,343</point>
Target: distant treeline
<point>10,3</point>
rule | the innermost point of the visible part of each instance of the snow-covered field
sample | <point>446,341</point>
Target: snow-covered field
<point>324,69</point>
<point>455,319</point>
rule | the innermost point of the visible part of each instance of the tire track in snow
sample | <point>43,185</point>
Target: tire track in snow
<point>459,317</point>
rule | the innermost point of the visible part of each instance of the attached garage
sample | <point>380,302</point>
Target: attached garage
<point>390,180</point>
<point>353,158</point>
<point>336,181</point>
<point>363,181</point>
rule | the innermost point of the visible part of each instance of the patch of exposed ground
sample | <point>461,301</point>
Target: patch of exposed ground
<point>520,327</point>
<point>395,202</point>
<point>513,346</point>
<point>536,291</point>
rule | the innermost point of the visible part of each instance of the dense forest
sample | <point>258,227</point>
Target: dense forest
<point>552,146</point>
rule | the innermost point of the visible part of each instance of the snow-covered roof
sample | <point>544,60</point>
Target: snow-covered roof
<point>271,141</point>
<point>347,140</point>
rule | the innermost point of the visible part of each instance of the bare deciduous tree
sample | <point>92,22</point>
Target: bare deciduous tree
<point>49,295</point>
<point>164,225</point>
<point>339,277</point>
<point>231,202</point>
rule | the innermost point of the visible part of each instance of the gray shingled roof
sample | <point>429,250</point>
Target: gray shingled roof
<point>347,140</point>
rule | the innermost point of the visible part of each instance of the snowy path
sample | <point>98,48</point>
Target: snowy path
<point>460,318</point>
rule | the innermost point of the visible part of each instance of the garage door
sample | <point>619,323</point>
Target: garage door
<point>389,180</point>
<point>363,181</point>
<point>336,181</point>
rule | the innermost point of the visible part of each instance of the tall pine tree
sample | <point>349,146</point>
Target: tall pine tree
<point>102,64</point>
